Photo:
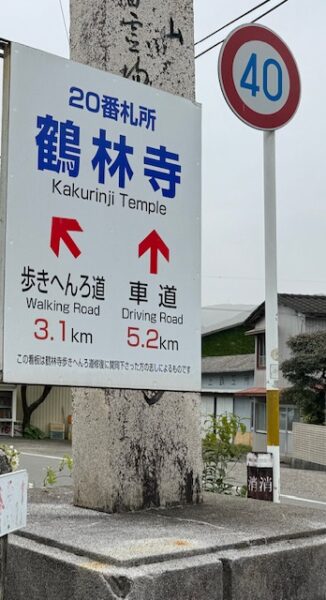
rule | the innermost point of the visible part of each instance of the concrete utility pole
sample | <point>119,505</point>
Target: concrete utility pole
<point>135,449</point>
<point>271,312</point>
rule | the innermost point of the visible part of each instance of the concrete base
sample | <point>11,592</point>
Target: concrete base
<point>226,549</point>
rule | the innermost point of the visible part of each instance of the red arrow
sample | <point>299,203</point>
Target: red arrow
<point>59,231</point>
<point>154,243</point>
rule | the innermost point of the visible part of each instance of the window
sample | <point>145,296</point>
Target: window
<point>252,415</point>
<point>288,415</point>
<point>7,410</point>
<point>261,351</point>
<point>293,417</point>
<point>260,416</point>
<point>283,418</point>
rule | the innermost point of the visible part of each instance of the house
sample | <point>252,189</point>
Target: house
<point>297,313</point>
<point>223,317</point>
<point>228,363</point>
<point>222,378</point>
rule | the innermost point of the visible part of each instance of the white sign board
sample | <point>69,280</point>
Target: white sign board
<point>13,501</point>
<point>102,242</point>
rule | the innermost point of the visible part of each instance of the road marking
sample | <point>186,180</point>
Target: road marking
<point>303,499</point>
<point>41,455</point>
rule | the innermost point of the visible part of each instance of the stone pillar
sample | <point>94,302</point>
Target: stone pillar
<point>136,449</point>
<point>145,40</point>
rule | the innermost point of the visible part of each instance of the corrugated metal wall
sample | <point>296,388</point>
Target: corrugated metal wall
<point>309,442</point>
<point>313,325</point>
<point>55,409</point>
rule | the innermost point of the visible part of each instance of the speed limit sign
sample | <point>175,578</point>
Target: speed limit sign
<point>259,77</point>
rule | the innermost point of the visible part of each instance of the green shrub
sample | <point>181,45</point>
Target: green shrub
<point>219,450</point>
<point>34,433</point>
<point>52,475</point>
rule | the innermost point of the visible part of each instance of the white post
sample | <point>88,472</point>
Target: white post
<point>271,310</point>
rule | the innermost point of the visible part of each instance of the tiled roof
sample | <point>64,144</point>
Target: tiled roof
<point>228,364</point>
<point>253,391</point>
<point>314,305</point>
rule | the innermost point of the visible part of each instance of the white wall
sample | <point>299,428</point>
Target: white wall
<point>242,408</point>
<point>207,409</point>
<point>227,381</point>
<point>289,324</point>
<point>224,404</point>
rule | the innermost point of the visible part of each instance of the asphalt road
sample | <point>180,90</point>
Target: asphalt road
<point>300,487</point>
<point>36,455</point>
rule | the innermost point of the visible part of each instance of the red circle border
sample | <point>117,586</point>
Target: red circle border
<point>238,37</point>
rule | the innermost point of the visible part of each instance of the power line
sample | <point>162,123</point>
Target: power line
<point>247,278</point>
<point>64,21</point>
<point>268,11</point>
<point>231,22</point>
<point>260,17</point>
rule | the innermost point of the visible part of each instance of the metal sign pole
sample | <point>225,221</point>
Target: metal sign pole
<point>271,310</point>
<point>261,83</point>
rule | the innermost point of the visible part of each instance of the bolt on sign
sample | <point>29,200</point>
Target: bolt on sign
<point>101,205</point>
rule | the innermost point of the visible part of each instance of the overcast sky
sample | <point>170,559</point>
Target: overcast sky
<point>232,201</point>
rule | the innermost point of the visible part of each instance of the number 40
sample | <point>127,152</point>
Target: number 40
<point>249,77</point>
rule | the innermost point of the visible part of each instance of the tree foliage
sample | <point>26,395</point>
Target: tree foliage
<point>306,371</point>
